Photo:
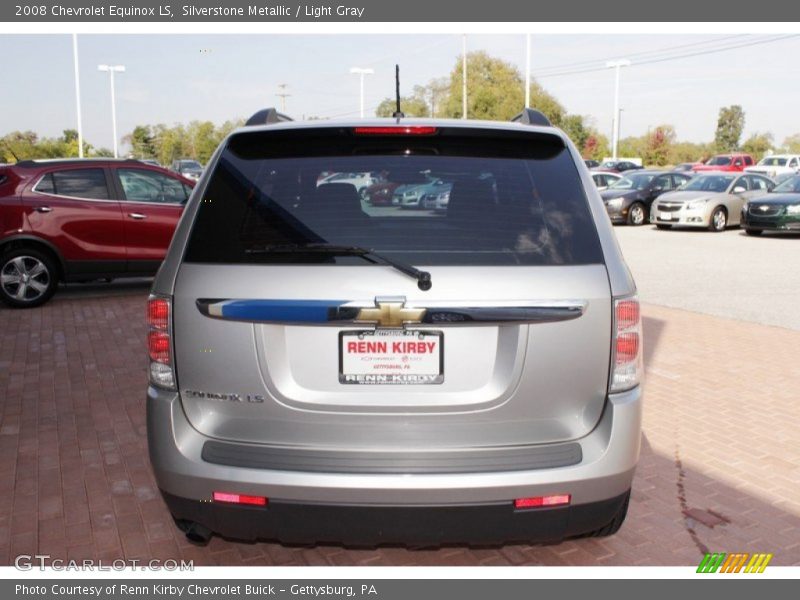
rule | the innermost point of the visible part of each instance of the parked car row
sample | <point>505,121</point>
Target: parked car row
<point>714,200</point>
<point>629,199</point>
<point>727,190</point>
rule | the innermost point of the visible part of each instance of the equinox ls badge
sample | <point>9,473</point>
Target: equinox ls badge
<point>390,313</point>
<point>224,397</point>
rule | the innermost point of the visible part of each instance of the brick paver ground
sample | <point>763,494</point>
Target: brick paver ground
<point>721,443</point>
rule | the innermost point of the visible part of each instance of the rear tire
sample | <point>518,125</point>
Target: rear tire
<point>28,277</point>
<point>719,220</point>
<point>613,527</point>
<point>662,226</point>
<point>637,214</point>
<point>755,232</point>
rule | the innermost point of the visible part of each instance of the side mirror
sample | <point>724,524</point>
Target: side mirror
<point>739,190</point>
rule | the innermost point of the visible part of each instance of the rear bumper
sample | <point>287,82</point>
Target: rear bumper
<point>298,523</point>
<point>608,458</point>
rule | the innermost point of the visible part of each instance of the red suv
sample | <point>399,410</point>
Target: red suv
<point>83,219</point>
<point>726,162</point>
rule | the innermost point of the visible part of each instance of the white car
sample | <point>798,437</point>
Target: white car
<point>361,181</point>
<point>775,165</point>
<point>604,179</point>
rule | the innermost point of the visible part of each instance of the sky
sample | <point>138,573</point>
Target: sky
<point>177,78</point>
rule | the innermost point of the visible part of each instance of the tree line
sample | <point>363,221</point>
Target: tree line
<point>496,92</point>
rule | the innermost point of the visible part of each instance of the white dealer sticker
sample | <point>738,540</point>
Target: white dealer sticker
<point>392,356</point>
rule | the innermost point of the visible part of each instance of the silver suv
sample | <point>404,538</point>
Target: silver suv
<point>326,370</point>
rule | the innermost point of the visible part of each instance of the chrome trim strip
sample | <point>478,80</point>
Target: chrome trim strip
<point>340,312</point>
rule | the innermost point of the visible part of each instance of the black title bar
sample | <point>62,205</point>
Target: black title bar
<point>199,11</point>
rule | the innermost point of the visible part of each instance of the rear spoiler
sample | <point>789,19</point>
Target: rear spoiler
<point>267,116</point>
<point>530,116</point>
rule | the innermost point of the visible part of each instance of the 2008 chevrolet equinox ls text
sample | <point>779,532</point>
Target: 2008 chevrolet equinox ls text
<point>326,370</point>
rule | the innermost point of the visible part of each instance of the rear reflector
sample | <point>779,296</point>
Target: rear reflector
<point>411,130</point>
<point>239,499</point>
<point>536,501</point>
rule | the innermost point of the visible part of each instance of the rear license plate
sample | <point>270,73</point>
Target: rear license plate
<point>391,357</point>
<point>665,216</point>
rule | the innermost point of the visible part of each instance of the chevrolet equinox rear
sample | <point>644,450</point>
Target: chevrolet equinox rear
<point>326,370</point>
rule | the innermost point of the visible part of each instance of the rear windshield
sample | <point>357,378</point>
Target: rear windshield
<point>458,197</point>
<point>720,161</point>
<point>708,183</point>
<point>773,161</point>
<point>636,182</point>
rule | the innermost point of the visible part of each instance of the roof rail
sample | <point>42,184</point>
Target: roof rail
<point>530,116</point>
<point>267,116</point>
<point>35,162</point>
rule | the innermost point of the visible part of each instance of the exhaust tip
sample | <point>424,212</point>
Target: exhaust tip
<point>195,532</point>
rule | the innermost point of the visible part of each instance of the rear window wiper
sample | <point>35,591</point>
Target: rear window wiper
<point>423,277</point>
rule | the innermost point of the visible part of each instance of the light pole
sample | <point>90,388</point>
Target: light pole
<point>528,71</point>
<point>464,76</point>
<point>77,92</point>
<point>283,95</point>
<point>616,65</point>
<point>111,69</point>
<point>361,72</point>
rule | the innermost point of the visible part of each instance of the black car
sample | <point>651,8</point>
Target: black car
<point>777,211</point>
<point>591,164</point>
<point>628,200</point>
<point>618,166</point>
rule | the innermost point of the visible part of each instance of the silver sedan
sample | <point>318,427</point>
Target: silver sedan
<point>711,200</point>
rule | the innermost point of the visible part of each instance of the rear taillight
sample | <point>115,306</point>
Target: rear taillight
<point>626,370</point>
<point>159,342</point>
<point>396,130</point>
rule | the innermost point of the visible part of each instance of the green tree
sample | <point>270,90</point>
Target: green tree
<point>70,135</point>
<point>547,104</point>
<point>495,89</point>
<point>658,144</point>
<point>759,144</point>
<point>170,143</point>
<point>631,147</point>
<point>410,105</point>
<point>437,92</point>
<point>729,128</point>
<point>201,140</point>
<point>792,143</point>
<point>575,128</point>
<point>141,142</point>
<point>596,146</point>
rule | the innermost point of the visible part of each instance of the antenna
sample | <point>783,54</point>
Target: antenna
<point>398,114</point>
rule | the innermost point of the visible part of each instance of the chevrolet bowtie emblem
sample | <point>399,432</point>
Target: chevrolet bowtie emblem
<point>764,207</point>
<point>391,314</point>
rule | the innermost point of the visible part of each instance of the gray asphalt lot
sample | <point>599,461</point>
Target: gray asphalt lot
<point>727,274</point>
